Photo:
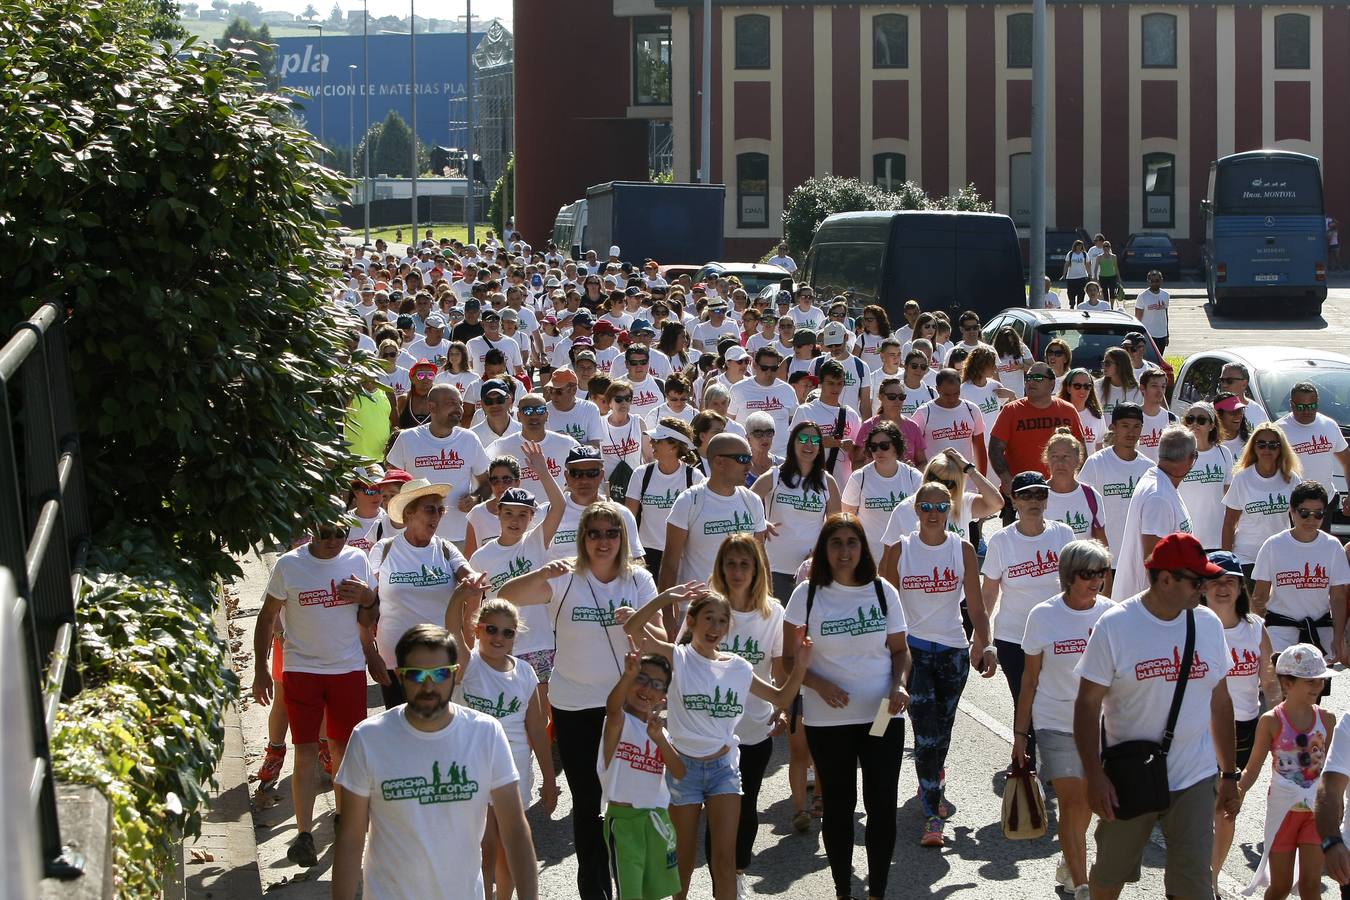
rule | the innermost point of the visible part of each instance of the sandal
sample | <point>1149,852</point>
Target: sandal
<point>801,821</point>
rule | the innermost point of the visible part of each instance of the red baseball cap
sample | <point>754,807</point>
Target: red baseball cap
<point>394,476</point>
<point>1182,551</point>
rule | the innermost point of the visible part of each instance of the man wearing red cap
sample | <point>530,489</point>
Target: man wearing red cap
<point>1130,675</point>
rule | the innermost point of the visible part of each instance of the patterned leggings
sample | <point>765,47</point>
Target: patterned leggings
<point>936,680</point>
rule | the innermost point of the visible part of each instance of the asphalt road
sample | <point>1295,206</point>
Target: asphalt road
<point>977,861</point>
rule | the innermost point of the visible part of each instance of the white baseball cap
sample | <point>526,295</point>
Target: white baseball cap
<point>1301,661</point>
<point>834,333</point>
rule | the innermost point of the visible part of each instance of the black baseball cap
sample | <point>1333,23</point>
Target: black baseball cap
<point>1024,480</point>
<point>1127,411</point>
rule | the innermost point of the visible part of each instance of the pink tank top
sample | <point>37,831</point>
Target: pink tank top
<point>1298,756</point>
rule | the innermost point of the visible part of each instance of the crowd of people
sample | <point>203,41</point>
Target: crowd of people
<point>671,525</point>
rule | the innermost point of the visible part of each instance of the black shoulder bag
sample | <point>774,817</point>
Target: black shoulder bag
<point>1138,769</point>
<point>840,430</point>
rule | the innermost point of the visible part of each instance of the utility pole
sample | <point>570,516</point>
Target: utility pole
<point>351,120</point>
<point>412,41</point>
<point>705,100</point>
<point>468,116</point>
<point>365,129</point>
<point>323,71</point>
<point>1036,289</point>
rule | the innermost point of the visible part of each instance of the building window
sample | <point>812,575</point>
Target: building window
<point>1019,189</point>
<point>1292,44</point>
<point>752,190</point>
<point>1159,190</point>
<point>1159,42</point>
<point>1019,41</point>
<point>890,42</point>
<point>888,170</point>
<point>651,62</point>
<point>752,42</point>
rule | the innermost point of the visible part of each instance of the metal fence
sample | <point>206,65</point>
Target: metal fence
<point>44,538</point>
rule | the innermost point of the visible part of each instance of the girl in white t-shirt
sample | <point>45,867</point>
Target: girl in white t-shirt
<point>1079,389</point>
<point>1251,673</point>
<point>797,496</point>
<point>494,682</point>
<point>979,385</point>
<point>1075,504</point>
<point>1117,384</point>
<point>1203,488</point>
<point>1258,499</point>
<point>1013,361</point>
<point>876,328</point>
<point>708,697</point>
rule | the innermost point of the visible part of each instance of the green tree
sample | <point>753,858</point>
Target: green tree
<point>255,45</point>
<point>506,184</point>
<point>248,10</point>
<point>160,199</point>
<point>310,13</point>
<point>335,17</point>
<point>392,154</point>
<point>220,5</point>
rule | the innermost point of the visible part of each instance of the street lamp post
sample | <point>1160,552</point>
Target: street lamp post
<point>468,116</point>
<point>365,129</point>
<point>412,41</point>
<point>351,120</point>
<point>323,70</point>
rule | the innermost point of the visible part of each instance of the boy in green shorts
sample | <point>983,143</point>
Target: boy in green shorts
<point>634,753</point>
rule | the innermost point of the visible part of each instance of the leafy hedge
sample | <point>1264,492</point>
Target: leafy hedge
<point>811,202</point>
<point>146,730</point>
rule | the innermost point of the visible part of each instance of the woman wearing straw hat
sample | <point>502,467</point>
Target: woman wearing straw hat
<point>416,572</point>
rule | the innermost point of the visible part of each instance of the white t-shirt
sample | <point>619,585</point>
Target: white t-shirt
<point>422,350</point>
<point>826,418</point>
<point>1011,373</point>
<point>487,435</point>
<point>1060,635</point>
<point>479,346</point>
<point>709,517</point>
<point>905,520</point>
<point>1117,397</point>
<point>505,696</point>
<point>1154,306</point>
<point>784,262</point>
<point>647,396</point>
<point>1244,678</point>
<point>1074,510</point>
<point>779,400</point>
<point>1099,305</point>
<point>1301,577</point>
<point>708,334</point>
<point>654,416</point>
<point>457,460</point>
<point>1155,509</point>
<point>564,543</point>
<point>1076,265</point>
<point>983,397</point>
<point>1115,479</point>
<point>849,632</point>
<point>856,377</point>
<point>707,698</point>
<point>876,498</point>
<point>427,791</point>
<point>636,774</point>
<point>812,317</point>
<point>398,380</point>
<point>591,644</point>
<point>1151,433</point>
<point>799,513</point>
<point>1137,656</point>
<point>1264,503</point>
<point>555,445</point>
<point>321,632</point>
<point>659,497</point>
<point>1315,445</point>
<point>621,442</point>
<point>467,382</point>
<point>871,350</point>
<point>1202,491</point>
<point>916,397</point>
<point>958,427</point>
<point>581,422</point>
<point>1338,761</point>
<point>1028,571</point>
<point>500,564</point>
<point>366,532</point>
<point>415,586</point>
<point>1094,429</point>
<point>932,582</point>
<point>758,640</point>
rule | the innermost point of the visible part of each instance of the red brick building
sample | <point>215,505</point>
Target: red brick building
<point>1143,97</point>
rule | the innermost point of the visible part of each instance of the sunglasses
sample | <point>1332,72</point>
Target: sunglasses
<point>1195,580</point>
<point>808,439</point>
<point>493,630</point>
<point>741,458</point>
<point>764,368</point>
<point>1304,513</point>
<point>369,491</point>
<point>762,433</point>
<point>331,534</point>
<point>597,534</point>
<point>1266,445</point>
<point>1033,494</point>
<point>918,367</point>
<point>1306,407</point>
<point>493,401</point>
<point>1054,351</point>
<point>533,410</point>
<point>1039,376</point>
<point>1231,378</point>
<point>895,397</point>
<point>501,479</point>
<point>638,362</point>
<point>1197,420</point>
<point>583,473</point>
<point>424,376</point>
<point>438,675</point>
<point>879,445</point>
<point>641,679</point>
<point>388,356</point>
<point>928,507</point>
<point>1081,386</point>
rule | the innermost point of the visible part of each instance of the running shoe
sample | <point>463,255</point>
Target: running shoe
<point>932,833</point>
<point>270,770</point>
<point>1062,876</point>
<point>742,886</point>
<point>325,757</point>
<point>302,852</point>
<point>1084,892</point>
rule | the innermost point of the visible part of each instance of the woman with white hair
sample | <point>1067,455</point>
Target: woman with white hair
<point>760,430</point>
<point>717,398</point>
<point>655,485</point>
<point>1062,625</point>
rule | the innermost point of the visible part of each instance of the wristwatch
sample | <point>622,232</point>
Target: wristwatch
<point>1234,775</point>
<point>968,467</point>
<point>1334,840</point>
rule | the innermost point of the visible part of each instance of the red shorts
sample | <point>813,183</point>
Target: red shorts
<point>1297,829</point>
<point>278,659</point>
<point>309,696</point>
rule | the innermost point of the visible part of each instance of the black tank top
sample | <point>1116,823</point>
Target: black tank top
<point>407,419</point>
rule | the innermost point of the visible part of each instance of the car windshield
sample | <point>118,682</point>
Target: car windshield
<point>1333,390</point>
<point>754,282</point>
<point>1089,343</point>
<point>1152,242</point>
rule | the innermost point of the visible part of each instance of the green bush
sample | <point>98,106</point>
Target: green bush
<point>506,183</point>
<point>146,730</point>
<point>164,197</point>
<point>817,198</point>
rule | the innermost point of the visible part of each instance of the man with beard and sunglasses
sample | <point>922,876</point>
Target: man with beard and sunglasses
<point>420,777</point>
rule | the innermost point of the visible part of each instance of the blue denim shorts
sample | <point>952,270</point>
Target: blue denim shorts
<point>705,778</point>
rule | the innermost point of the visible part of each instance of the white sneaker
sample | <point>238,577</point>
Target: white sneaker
<point>810,776</point>
<point>743,886</point>
<point>1082,892</point>
<point>1063,878</point>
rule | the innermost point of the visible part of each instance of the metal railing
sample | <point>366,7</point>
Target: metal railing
<point>44,539</point>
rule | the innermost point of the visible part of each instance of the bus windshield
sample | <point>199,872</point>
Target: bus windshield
<point>1268,187</point>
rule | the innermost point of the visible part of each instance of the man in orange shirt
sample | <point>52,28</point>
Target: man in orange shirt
<point>1025,426</point>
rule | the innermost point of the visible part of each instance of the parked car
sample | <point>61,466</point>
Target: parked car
<point>671,273</point>
<point>1058,243</point>
<point>754,277</point>
<point>1274,370</point>
<point>1088,334</point>
<point>1148,250</point>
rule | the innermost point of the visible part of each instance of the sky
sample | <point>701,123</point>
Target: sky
<point>439,9</point>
